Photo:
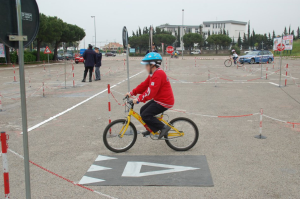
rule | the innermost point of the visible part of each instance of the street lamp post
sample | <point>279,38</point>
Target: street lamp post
<point>182,34</point>
<point>95,28</point>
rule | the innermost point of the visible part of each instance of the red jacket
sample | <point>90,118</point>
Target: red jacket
<point>157,87</point>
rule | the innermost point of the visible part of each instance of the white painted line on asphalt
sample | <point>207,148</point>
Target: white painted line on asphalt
<point>80,103</point>
<point>274,83</point>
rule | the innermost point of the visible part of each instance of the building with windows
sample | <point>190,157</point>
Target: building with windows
<point>112,46</point>
<point>232,28</point>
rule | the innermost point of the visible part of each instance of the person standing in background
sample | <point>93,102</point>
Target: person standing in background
<point>89,62</point>
<point>98,64</point>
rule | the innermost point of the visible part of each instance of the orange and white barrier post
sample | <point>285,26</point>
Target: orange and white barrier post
<point>4,147</point>
<point>73,75</point>
<point>0,102</point>
<point>286,73</point>
<point>14,74</point>
<point>43,89</point>
<point>166,63</point>
<point>109,105</point>
<point>260,136</point>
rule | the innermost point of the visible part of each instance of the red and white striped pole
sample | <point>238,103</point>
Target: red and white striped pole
<point>109,71</point>
<point>109,105</point>
<point>260,136</point>
<point>0,102</point>
<point>166,63</point>
<point>286,73</point>
<point>43,89</point>
<point>93,73</point>
<point>14,73</point>
<point>73,75</point>
<point>4,145</point>
<point>124,64</point>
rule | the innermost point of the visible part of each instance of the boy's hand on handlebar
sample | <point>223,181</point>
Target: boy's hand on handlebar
<point>135,101</point>
<point>128,94</point>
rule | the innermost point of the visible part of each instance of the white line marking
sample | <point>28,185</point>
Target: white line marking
<point>80,103</point>
<point>274,83</point>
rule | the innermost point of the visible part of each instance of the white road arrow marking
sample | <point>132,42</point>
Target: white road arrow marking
<point>97,168</point>
<point>102,158</point>
<point>88,180</point>
<point>133,169</point>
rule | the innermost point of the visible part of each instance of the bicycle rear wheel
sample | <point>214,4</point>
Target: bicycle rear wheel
<point>228,63</point>
<point>112,139</point>
<point>240,64</point>
<point>190,137</point>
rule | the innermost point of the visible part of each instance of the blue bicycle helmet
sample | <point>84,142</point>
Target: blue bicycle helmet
<point>152,58</point>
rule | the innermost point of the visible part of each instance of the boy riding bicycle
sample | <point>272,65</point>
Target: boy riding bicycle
<point>158,91</point>
<point>234,56</point>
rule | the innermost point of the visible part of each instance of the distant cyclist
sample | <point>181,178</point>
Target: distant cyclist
<point>234,56</point>
<point>158,91</point>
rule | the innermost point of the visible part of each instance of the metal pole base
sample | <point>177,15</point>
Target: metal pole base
<point>260,137</point>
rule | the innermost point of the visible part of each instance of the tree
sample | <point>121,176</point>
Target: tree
<point>178,37</point>
<point>245,41</point>
<point>201,29</point>
<point>208,33</point>
<point>167,39</point>
<point>285,31</point>
<point>249,43</point>
<point>218,41</point>
<point>224,31</point>
<point>293,33</point>
<point>7,54</point>
<point>140,31</point>
<point>133,34</point>
<point>289,30</point>
<point>190,39</point>
<point>239,40</point>
<point>274,35</point>
<point>42,34</point>
<point>298,33</point>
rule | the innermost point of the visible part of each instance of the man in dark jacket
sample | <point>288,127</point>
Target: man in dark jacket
<point>89,62</point>
<point>98,63</point>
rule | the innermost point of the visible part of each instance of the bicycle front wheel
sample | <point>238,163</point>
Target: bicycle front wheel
<point>190,137</point>
<point>228,62</point>
<point>112,136</point>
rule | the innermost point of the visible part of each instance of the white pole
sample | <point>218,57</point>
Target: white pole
<point>182,34</point>
<point>23,102</point>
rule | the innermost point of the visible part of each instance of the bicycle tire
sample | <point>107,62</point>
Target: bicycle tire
<point>228,63</point>
<point>240,64</point>
<point>169,142</point>
<point>107,129</point>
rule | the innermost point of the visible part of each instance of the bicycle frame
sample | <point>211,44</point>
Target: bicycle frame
<point>139,118</point>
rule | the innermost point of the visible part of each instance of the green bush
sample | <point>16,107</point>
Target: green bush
<point>237,50</point>
<point>28,57</point>
<point>43,57</point>
<point>14,57</point>
<point>2,60</point>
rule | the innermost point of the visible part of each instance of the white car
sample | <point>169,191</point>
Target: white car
<point>196,52</point>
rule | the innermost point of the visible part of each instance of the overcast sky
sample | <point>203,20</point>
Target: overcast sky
<point>112,15</point>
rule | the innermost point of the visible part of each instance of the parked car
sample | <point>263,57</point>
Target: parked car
<point>259,56</point>
<point>69,56</point>
<point>79,59</point>
<point>196,52</point>
<point>60,58</point>
<point>110,54</point>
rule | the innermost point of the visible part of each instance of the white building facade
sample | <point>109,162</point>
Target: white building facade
<point>232,28</point>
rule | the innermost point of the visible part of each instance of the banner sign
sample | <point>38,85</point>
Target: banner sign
<point>287,41</point>
<point>2,50</point>
<point>132,50</point>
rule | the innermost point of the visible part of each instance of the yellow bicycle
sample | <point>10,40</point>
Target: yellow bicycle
<point>120,135</point>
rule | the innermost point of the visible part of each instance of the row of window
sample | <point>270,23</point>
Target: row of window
<point>219,25</point>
